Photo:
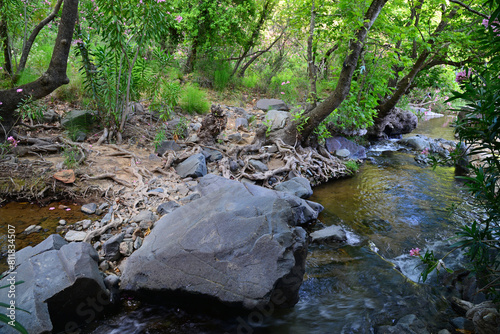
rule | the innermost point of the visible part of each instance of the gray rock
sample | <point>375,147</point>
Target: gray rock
<point>80,136</point>
<point>277,119</point>
<point>106,219</point>
<point>235,137</point>
<point>332,233</point>
<point>143,216</point>
<point>111,247</point>
<point>342,153</point>
<point>417,143</point>
<point>298,186</point>
<point>77,118</point>
<point>333,144</point>
<point>50,116</point>
<point>103,206</point>
<point>241,123</point>
<point>233,166</point>
<point>126,247</point>
<point>74,279</point>
<point>72,235</point>
<point>89,208</point>
<point>237,243</point>
<point>194,166</point>
<point>86,223</point>
<point>485,317</point>
<point>166,208</point>
<point>167,145</point>
<point>258,165</point>
<point>156,191</point>
<point>269,104</point>
<point>32,229</point>
<point>62,222</point>
<point>396,123</point>
<point>138,243</point>
<point>303,210</point>
<point>211,155</point>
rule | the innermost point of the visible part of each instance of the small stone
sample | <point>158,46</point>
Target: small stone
<point>72,235</point>
<point>103,206</point>
<point>166,208</point>
<point>342,153</point>
<point>154,157</point>
<point>89,208</point>
<point>190,198</point>
<point>156,191</point>
<point>126,248</point>
<point>32,229</point>
<point>85,223</point>
<point>104,265</point>
<point>62,222</point>
<point>235,137</point>
<point>258,165</point>
<point>130,230</point>
<point>183,190</point>
<point>241,123</point>
<point>106,219</point>
<point>233,166</point>
<point>97,245</point>
<point>112,247</point>
<point>138,243</point>
<point>330,234</point>
<point>143,216</point>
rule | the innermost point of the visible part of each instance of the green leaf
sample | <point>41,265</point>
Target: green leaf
<point>20,328</point>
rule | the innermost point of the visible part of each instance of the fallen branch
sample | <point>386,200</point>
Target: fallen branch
<point>98,232</point>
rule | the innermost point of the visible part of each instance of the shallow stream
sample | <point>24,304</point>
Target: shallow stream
<point>390,206</point>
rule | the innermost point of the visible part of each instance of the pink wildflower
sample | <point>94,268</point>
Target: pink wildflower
<point>178,18</point>
<point>19,90</point>
<point>415,252</point>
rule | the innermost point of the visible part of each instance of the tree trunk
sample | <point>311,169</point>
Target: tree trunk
<point>385,107</point>
<point>192,56</point>
<point>311,66</point>
<point>54,77</point>
<point>29,42</point>
<point>318,114</point>
<point>4,39</point>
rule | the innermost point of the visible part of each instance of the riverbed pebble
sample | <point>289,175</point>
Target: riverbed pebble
<point>73,235</point>
<point>32,229</point>
<point>62,222</point>
<point>89,208</point>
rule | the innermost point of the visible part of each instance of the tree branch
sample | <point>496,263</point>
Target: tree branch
<point>470,9</point>
<point>31,40</point>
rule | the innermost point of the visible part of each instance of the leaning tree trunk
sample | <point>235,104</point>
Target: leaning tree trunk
<point>54,77</point>
<point>385,107</point>
<point>318,114</point>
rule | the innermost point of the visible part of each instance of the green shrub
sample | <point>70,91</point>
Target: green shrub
<point>352,166</point>
<point>222,75</point>
<point>194,99</point>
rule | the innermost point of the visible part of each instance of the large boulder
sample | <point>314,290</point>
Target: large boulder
<point>62,286</point>
<point>238,244</point>
<point>77,118</point>
<point>277,119</point>
<point>397,122</point>
<point>270,104</point>
<point>337,143</point>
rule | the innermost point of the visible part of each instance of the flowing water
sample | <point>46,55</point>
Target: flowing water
<point>390,206</point>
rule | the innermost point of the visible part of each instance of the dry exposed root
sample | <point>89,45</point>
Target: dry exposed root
<point>307,162</point>
<point>111,176</point>
<point>114,223</point>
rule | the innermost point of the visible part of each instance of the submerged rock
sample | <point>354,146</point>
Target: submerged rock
<point>330,234</point>
<point>238,243</point>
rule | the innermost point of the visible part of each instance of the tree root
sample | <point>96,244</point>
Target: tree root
<point>98,232</point>
<point>107,176</point>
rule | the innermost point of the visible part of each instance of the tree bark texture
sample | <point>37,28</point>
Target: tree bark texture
<point>54,77</point>
<point>318,114</point>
